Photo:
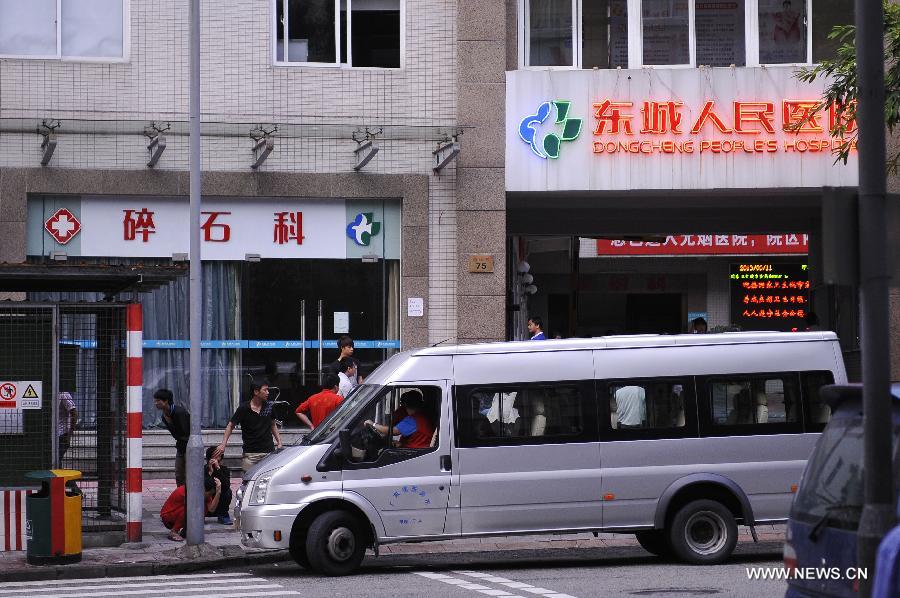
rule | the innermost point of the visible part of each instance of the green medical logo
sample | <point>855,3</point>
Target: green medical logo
<point>548,146</point>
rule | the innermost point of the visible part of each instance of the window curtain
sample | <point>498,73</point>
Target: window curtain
<point>166,316</point>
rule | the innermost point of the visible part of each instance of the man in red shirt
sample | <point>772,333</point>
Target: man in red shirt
<point>174,510</point>
<point>321,404</point>
<point>414,427</point>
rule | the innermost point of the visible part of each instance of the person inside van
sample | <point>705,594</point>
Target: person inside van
<point>742,409</point>
<point>412,425</point>
<point>631,407</point>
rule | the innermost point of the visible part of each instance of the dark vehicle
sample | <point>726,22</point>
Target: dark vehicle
<point>820,546</point>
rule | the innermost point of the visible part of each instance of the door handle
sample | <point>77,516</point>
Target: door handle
<point>446,463</point>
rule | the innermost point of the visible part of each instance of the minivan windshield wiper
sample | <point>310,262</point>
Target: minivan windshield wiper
<point>826,517</point>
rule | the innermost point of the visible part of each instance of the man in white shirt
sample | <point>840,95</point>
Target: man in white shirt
<point>631,407</point>
<point>347,375</point>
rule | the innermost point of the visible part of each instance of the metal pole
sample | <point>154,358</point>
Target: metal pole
<point>54,385</point>
<point>878,514</point>
<point>194,456</point>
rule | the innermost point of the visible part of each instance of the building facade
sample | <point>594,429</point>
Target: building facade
<point>619,163</point>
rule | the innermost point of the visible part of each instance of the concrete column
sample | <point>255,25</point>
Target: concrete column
<point>481,186</point>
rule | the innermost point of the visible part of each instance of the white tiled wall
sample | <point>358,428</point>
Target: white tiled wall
<point>110,104</point>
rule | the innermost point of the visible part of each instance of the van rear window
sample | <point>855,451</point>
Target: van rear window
<point>832,484</point>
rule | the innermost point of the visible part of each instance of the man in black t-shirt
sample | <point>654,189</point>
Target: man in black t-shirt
<point>177,421</point>
<point>257,427</point>
<point>345,346</point>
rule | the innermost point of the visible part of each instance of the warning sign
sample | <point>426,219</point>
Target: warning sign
<point>21,395</point>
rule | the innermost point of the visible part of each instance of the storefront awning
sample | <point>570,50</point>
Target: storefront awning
<point>69,277</point>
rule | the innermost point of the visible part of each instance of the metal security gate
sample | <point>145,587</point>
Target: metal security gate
<point>78,354</point>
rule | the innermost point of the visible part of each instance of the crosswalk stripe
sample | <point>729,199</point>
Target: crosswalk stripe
<point>466,585</point>
<point>92,584</point>
<point>19,584</point>
<point>230,588</point>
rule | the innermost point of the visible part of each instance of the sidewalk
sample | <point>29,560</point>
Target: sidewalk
<point>157,555</point>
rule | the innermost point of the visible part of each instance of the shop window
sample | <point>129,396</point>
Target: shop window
<point>666,32</point>
<point>323,32</point>
<point>80,29</point>
<point>782,31</point>
<point>826,16</point>
<point>720,32</point>
<point>604,33</point>
<point>597,33</point>
<point>550,32</point>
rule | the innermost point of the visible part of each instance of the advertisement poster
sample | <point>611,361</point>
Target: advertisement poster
<point>666,31</point>
<point>782,31</point>
<point>720,32</point>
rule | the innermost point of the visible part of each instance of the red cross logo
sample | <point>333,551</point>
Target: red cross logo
<point>62,226</point>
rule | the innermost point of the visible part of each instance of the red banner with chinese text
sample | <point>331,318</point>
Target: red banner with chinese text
<point>787,244</point>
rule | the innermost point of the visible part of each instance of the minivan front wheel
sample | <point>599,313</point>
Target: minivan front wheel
<point>335,543</point>
<point>703,532</point>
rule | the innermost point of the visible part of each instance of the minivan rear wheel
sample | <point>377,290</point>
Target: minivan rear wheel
<point>703,532</point>
<point>655,541</point>
<point>335,543</point>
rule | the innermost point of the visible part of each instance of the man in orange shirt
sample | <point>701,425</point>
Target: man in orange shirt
<point>320,404</point>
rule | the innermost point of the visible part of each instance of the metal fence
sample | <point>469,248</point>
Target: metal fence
<point>77,349</point>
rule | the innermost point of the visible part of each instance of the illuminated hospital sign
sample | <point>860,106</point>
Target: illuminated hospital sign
<point>670,129</point>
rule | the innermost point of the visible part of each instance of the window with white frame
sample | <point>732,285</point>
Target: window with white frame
<point>636,33</point>
<point>357,33</point>
<point>74,29</point>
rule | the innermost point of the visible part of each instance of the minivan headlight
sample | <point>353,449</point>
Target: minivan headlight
<point>260,488</point>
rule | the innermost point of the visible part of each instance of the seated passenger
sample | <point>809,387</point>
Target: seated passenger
<point>415,429</point>
<point>742,410</point>
<point>631,407</point>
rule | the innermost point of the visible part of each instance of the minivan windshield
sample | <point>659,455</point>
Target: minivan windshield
<point>832,485</point>
<point>340,416</point>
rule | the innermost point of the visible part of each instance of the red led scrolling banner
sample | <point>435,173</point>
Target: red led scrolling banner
<point>686,245</point>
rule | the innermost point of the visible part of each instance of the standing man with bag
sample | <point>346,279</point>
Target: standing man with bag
<point>257,427</point>
<point>177,421</point>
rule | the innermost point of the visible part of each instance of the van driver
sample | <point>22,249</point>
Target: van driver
<point>414,427</point>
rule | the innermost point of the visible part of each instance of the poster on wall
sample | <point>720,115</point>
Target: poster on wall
<point>782,31</point>
<point>767,296</point>
<point>666,32</point>
<point>720,32</point>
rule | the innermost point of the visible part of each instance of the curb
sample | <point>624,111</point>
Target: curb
<point>90,571</point>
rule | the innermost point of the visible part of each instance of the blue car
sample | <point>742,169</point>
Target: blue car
<point>821,532</point>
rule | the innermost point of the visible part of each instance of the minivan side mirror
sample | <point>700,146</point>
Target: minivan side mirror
<point>344,444</point>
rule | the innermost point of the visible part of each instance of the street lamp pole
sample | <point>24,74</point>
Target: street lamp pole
<point>196,504</point>
<point>878,513</point>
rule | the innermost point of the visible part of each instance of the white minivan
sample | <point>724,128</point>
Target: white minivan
<point>677,439</point>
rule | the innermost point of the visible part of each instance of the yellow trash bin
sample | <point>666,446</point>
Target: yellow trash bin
<point>53,518</point>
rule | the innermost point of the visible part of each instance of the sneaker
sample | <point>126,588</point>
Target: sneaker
<point>225,520</point>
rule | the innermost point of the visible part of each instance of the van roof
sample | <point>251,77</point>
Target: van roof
<point>628,342</point>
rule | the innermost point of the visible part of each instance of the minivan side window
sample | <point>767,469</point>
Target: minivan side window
<point>648,408</point>
<point>753,400</point>
<point>637,405</point>
<point>521,414</point>
<point>816,411</point>
<point>407,420</point>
